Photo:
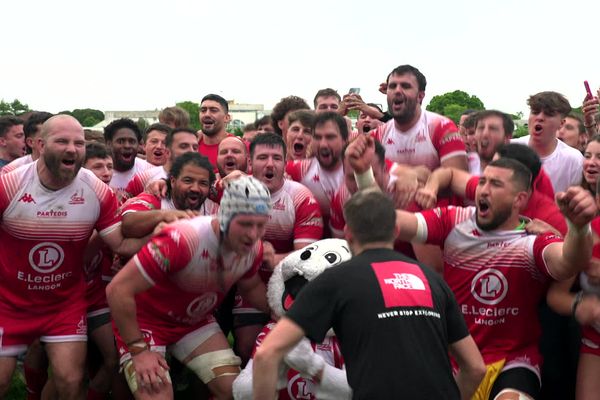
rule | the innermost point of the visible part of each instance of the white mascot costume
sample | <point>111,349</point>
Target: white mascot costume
<point>306,359</point>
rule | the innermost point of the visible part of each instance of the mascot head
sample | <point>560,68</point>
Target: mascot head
<point>301,267</point>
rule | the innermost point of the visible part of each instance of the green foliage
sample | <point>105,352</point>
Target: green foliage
<point>520,131</point>
<point>516,116</point>
<point>142,124</point>
<point>453,104</point>
<point>87,117</point>
<point>13,108</point>
<point>194,110</point>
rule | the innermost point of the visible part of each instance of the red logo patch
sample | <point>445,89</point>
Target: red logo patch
<point>403,284</point>
<point>27,198</point>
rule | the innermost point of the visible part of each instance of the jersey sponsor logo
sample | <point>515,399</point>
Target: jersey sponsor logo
<point>300,388</point>
<point>27,198</point>
<point>157,255</point>
<point>278,205</point>
<point>405,151</point>
<point>46,257</point>
<point>454,137</point>
<point>77,198</point>
<point>51,214</point>
<point>402,284</point>
<point>201,305</point>
<point>82,326</point>
<point>489,286</point>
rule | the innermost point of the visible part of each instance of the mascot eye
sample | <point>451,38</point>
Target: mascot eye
<point>331,257</point>
<point>305,255</point>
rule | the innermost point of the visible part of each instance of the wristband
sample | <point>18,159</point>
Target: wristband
<point>576,301</point>
<point>138,340</point>
<point>137,347</point>
<point>365,180</point>
<point>579,230</point>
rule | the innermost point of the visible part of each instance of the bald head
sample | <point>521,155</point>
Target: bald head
<point>232,155</point>
<point>59,123</point>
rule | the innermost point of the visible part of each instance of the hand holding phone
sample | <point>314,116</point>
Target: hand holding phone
<point>588,90</point>
<point>354,90</point>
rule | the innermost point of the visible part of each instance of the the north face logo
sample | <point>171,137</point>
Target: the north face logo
<point>27,198</point>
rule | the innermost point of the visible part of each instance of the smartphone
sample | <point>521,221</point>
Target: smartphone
<point>354,90</point>
<point>587,89</point>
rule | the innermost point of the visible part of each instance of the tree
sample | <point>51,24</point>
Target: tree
<point>142,124</point>
<point>453,104</point>
<point>193,109</point>
<point>520,131</point>
<point>88,116</point>
<point>13,108</point>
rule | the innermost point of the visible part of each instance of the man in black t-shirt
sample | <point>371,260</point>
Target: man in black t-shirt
<point>396,320</point>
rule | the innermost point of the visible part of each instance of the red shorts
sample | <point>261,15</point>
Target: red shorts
<point>19,329</point>
<point>159,337</point>
<point>590,341</point>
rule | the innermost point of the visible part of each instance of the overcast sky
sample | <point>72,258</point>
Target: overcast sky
<point>138,55</point>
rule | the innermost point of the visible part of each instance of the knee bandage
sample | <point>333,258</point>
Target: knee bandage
<point>517,395</point>
<point>129,373</point>
<point>205,364</point>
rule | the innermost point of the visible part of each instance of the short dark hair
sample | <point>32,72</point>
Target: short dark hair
<point>306,117</point>
<point>322,118</point>
<point>285,105</point>
<point>268,139</point>
<point>264,120</point>
<point>171,135</point>
<point>249,127</point>
<point>96,150</point>
<point>579,119</point>
<point>471,121</point>
<point>377,106</point>
<point>550,103</point>
<point>177,116</point>
<point>409,69</point>
<point>114,126</point>
<point>37,118</point>
<point>218,99</point>
<point>522,153</point>
<point>328,92</point>
<point>191,158</point>
<point>521,174</point>
<point>157,127</point>
<point>367,209</point>
<point>8,122</point>
<point>507,122</point>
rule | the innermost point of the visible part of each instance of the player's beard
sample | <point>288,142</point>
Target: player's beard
<point>54,165</point>
<point>407,113</point>
<point>500,216</point>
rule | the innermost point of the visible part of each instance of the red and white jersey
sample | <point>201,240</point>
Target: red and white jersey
<point>185,259</point>
<point>321,182</point>
<point>148,202</point>
<point>120,180</point>
<point>19,162</point>
<point>298,387</point>
<point>44,234</point>
<point>294,219</point>
<point>498,277</point>
<point>433,139</point>
<point>138,183</point>
<point>337,220</point>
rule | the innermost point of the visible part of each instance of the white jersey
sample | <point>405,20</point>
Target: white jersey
<point>564,166</point>
<point>321,182</point>
<point>19,162</point>
<point>120,180</point>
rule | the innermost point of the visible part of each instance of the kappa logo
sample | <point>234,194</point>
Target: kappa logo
<point>77,198</point>
<point>204,253</point>
<point>46,257</point>
<point>316,178</point>
<point>389,141</point>
<point>27,198</point>
<point>489,286</point>
<point>476,233</point>
<point>421,137</point>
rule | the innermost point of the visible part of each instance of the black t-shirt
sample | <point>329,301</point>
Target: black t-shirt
<point>394,319</point>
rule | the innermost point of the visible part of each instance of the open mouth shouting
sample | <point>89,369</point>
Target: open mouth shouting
<point>483,207</point>
<point>398,103</point>
<point>298,149</point>
<point>538,129</point>
<point>208,123</point>
<point>194,200</point>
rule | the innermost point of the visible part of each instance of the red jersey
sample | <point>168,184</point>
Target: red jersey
<point>321,182</point>
<point>189,272</point>
<point>539,206</point>
<point>498,278</point>
<point>295,218</point>
<point>139,181</point>
<point>120,180</point>
<point>210,151</point>
<point>433,139</point>
<point>44,234</point>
